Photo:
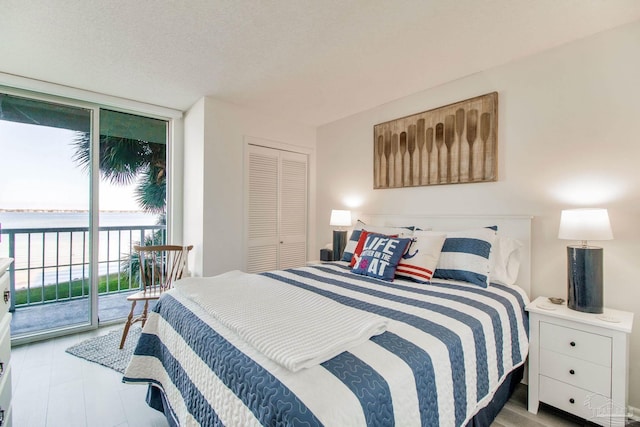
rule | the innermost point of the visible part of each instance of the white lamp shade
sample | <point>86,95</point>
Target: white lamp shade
<point>585,224</point>
<point>340,218</point>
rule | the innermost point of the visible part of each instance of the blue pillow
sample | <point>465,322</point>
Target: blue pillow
<point>347,254</point>
<point>380,256</point>
<point>465,256</point>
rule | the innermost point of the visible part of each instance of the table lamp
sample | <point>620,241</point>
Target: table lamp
<point>340,219</point>
<point>584,262</point>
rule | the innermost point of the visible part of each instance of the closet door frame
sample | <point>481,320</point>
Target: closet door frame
<point>276,145</point>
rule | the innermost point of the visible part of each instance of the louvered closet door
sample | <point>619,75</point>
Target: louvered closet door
<point>293,210</point>
<point>277,209</point>
<point>263,242</point>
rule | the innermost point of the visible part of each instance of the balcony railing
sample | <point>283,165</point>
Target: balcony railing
<point>52,264</point>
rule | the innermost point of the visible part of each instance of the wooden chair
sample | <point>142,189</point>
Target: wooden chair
<point>160,266</point>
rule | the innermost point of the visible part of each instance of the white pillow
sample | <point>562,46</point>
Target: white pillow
<point>505,260</point>
<point>421,257</point>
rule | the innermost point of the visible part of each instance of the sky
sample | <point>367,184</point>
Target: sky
<point>37,171</point>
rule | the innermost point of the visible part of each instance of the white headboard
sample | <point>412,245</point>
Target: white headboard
<point>515,226</point>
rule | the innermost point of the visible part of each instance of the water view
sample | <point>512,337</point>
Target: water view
<point>55,157</point>
<point>41,219</point>
<point>53,247</point>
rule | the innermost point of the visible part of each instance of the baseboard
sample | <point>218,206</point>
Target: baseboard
<point>633,413</point>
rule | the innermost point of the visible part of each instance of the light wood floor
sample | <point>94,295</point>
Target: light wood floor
<point>515,414</point>
<point>51,388</point>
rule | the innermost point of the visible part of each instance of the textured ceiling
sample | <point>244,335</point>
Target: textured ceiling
<point>312,61</point>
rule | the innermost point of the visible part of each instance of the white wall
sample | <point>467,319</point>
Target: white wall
<point>193,181</point>
<point>214,178</point>
<point>569,136</point>
<point>175,182</point>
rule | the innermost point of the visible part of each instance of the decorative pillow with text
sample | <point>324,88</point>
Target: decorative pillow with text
<point>380,256</point>
<point>350,248</point>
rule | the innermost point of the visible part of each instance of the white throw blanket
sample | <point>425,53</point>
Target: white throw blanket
<point>293,327</point>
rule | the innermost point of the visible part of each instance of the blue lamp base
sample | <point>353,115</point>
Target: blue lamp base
<point>339,243</point>
<point>585,290</point>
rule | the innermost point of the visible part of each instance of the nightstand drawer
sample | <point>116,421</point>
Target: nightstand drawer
<point>5,344</point>
<point>4,289</point>
<point>572,342</point>
<point>585,404</point>
<point>5,396</point>
<point>577,372</point>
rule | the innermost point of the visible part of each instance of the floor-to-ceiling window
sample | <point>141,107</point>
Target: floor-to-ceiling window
<point>79,186</point>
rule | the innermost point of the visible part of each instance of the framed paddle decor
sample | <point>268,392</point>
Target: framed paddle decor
<point>454,144</point>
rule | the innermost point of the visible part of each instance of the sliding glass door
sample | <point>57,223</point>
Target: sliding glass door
<point>133,203</point>
<point>45,213</point>
<point>79,186</point>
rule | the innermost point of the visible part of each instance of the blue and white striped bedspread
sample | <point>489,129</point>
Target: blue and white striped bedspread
<point>447,348</point>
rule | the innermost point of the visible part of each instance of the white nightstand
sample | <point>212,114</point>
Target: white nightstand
<point>578,362</point>
<point>5,343</point>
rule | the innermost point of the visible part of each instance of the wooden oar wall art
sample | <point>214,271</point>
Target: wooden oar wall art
<point>457,143</point>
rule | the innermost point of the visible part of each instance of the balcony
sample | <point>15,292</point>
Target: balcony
<point>49,279</point>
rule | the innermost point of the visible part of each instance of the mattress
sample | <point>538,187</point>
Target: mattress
<point>447,348</point>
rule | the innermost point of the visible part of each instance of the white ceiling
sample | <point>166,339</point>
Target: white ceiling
<point>312,61</point>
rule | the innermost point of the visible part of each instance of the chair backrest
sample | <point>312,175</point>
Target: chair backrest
<point>161,265</point>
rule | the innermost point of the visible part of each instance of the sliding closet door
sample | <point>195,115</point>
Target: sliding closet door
<point>277,209</point>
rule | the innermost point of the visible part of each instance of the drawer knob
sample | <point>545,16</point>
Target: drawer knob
<point>572,343</point>
<point>572,372</point>
<point>572,401</point>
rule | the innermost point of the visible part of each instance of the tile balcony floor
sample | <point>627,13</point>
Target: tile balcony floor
<point>112,307</point>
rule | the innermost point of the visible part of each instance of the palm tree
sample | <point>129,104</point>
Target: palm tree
<point>123,160</point>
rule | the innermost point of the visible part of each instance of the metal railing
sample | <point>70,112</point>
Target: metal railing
<point>52,264</point>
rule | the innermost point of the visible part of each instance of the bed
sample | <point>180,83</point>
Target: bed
<point>450,352</point>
